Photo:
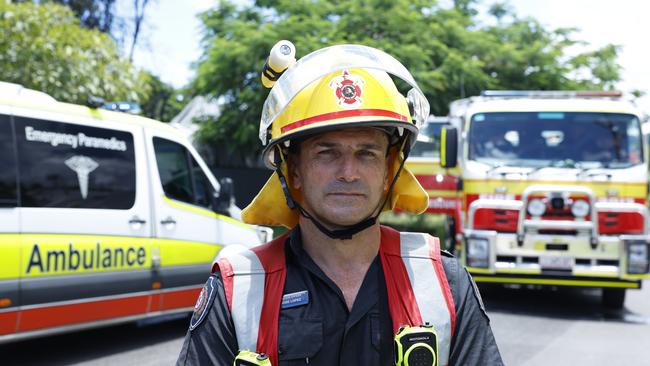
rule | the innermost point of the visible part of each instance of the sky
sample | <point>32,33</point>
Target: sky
<point>173,35</point>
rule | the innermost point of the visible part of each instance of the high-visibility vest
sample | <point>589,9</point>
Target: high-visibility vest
<point>417,288</point>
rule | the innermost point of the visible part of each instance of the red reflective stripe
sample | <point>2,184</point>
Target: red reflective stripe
<point>57,315</point>
<point>434,249</point>
<point>8,322</point>
<point>157,301</point>
<point>180,299</point>
<point>272,257</point>
<point>401,298</point>
<point>267,336</point>
<point>227,277</point>
<point>344,114</point>
<point>43,317</point>
<point>271,254</point>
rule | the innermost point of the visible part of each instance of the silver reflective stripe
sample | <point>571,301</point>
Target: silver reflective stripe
<point>429,295</point>
<point>247,297</point>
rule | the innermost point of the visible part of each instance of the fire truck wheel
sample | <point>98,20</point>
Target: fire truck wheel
<point>613,298</point>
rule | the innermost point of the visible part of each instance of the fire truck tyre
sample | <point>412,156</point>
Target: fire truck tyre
<point>613,298</point>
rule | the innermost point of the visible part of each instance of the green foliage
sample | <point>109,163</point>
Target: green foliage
<point>425,223</point>
<point>163,101</point>
<point>447,50</point>
<point>92,14</point>
<point>44,48</point>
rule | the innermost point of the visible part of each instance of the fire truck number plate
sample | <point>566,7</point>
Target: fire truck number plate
<point>556,262</point>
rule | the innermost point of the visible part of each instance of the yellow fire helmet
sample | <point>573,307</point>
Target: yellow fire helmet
<point>344,86</point>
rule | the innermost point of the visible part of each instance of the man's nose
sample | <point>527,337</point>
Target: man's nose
<point>349,168</point>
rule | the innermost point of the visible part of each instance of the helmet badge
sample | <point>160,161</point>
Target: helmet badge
<point>347,88</point>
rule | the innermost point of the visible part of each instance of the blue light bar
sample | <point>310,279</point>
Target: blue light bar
<point>506,93</point>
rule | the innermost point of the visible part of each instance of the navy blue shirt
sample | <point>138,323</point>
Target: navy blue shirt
<point>324,332</point>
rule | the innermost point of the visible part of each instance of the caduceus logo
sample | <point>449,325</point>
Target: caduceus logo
<point>83,166</point>
<point>348,89</point>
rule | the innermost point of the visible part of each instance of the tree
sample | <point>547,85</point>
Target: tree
<point>44,48</point>
<point>139,7</point>
<point>102,16</point>
<point>92,14</point>
<point>446,50</point>
<point>499,10</point>
<point>163,102</point>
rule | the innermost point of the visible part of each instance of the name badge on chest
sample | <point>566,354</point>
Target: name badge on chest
<point>295,299</point>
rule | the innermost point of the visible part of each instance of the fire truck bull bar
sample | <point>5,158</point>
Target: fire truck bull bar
<point>539,251</point>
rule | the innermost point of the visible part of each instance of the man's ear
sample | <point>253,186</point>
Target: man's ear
<point>293,171</point>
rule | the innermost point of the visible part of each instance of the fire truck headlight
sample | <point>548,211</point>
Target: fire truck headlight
<point>638,258</point>
<point>536,207</point>
<point>580,208</point>
<point>478,252</point>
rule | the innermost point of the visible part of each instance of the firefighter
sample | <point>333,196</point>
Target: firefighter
<point>339,288</point>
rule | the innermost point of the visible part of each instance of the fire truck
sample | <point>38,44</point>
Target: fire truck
<point>440,183</point>
<point>544,188</point>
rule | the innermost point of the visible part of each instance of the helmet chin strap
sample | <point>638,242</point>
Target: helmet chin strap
<point>347,232</point>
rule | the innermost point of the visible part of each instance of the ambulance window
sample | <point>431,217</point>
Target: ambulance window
<point>174,170</point>
<point>204,191</point>
<point>74,166</point>
<point>180,175</point>
<point>8,196</point>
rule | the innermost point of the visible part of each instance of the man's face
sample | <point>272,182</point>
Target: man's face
<point>342,175</point>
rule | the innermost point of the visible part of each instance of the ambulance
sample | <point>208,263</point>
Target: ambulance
<point>105,217</point>
<point>548,188</point>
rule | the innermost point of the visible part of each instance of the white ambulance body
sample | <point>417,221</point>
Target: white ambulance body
<point>105,217</point>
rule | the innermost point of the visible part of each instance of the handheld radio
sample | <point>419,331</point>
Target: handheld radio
<point>416,346</point>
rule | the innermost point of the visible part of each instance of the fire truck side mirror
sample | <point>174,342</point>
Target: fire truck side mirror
<point>448,147</point>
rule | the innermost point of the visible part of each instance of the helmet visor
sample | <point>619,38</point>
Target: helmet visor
<point>331,59</point>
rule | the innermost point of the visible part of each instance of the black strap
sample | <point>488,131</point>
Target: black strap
<point>270,73</point>
<point>277,160</point>
<point>340,234</point>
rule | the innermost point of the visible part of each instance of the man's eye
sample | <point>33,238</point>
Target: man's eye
<point>367,154</point>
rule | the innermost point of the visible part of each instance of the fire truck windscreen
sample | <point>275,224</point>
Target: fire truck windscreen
<point>560,139</point>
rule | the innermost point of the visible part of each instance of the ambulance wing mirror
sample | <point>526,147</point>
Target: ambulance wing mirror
<point>448,147</point>
<point>221,203</point>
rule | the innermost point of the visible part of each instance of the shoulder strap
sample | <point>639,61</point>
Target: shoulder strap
<point>401,298</point>
<point>253,282</point>
<point>418,290</point>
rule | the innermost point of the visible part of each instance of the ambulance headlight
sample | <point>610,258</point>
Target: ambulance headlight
<point>536,207</point>
<point>580,208</point>
<point>638,257</point>
<point>478,252</point>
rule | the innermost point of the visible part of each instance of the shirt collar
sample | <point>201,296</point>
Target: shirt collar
<point>369,291</point>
